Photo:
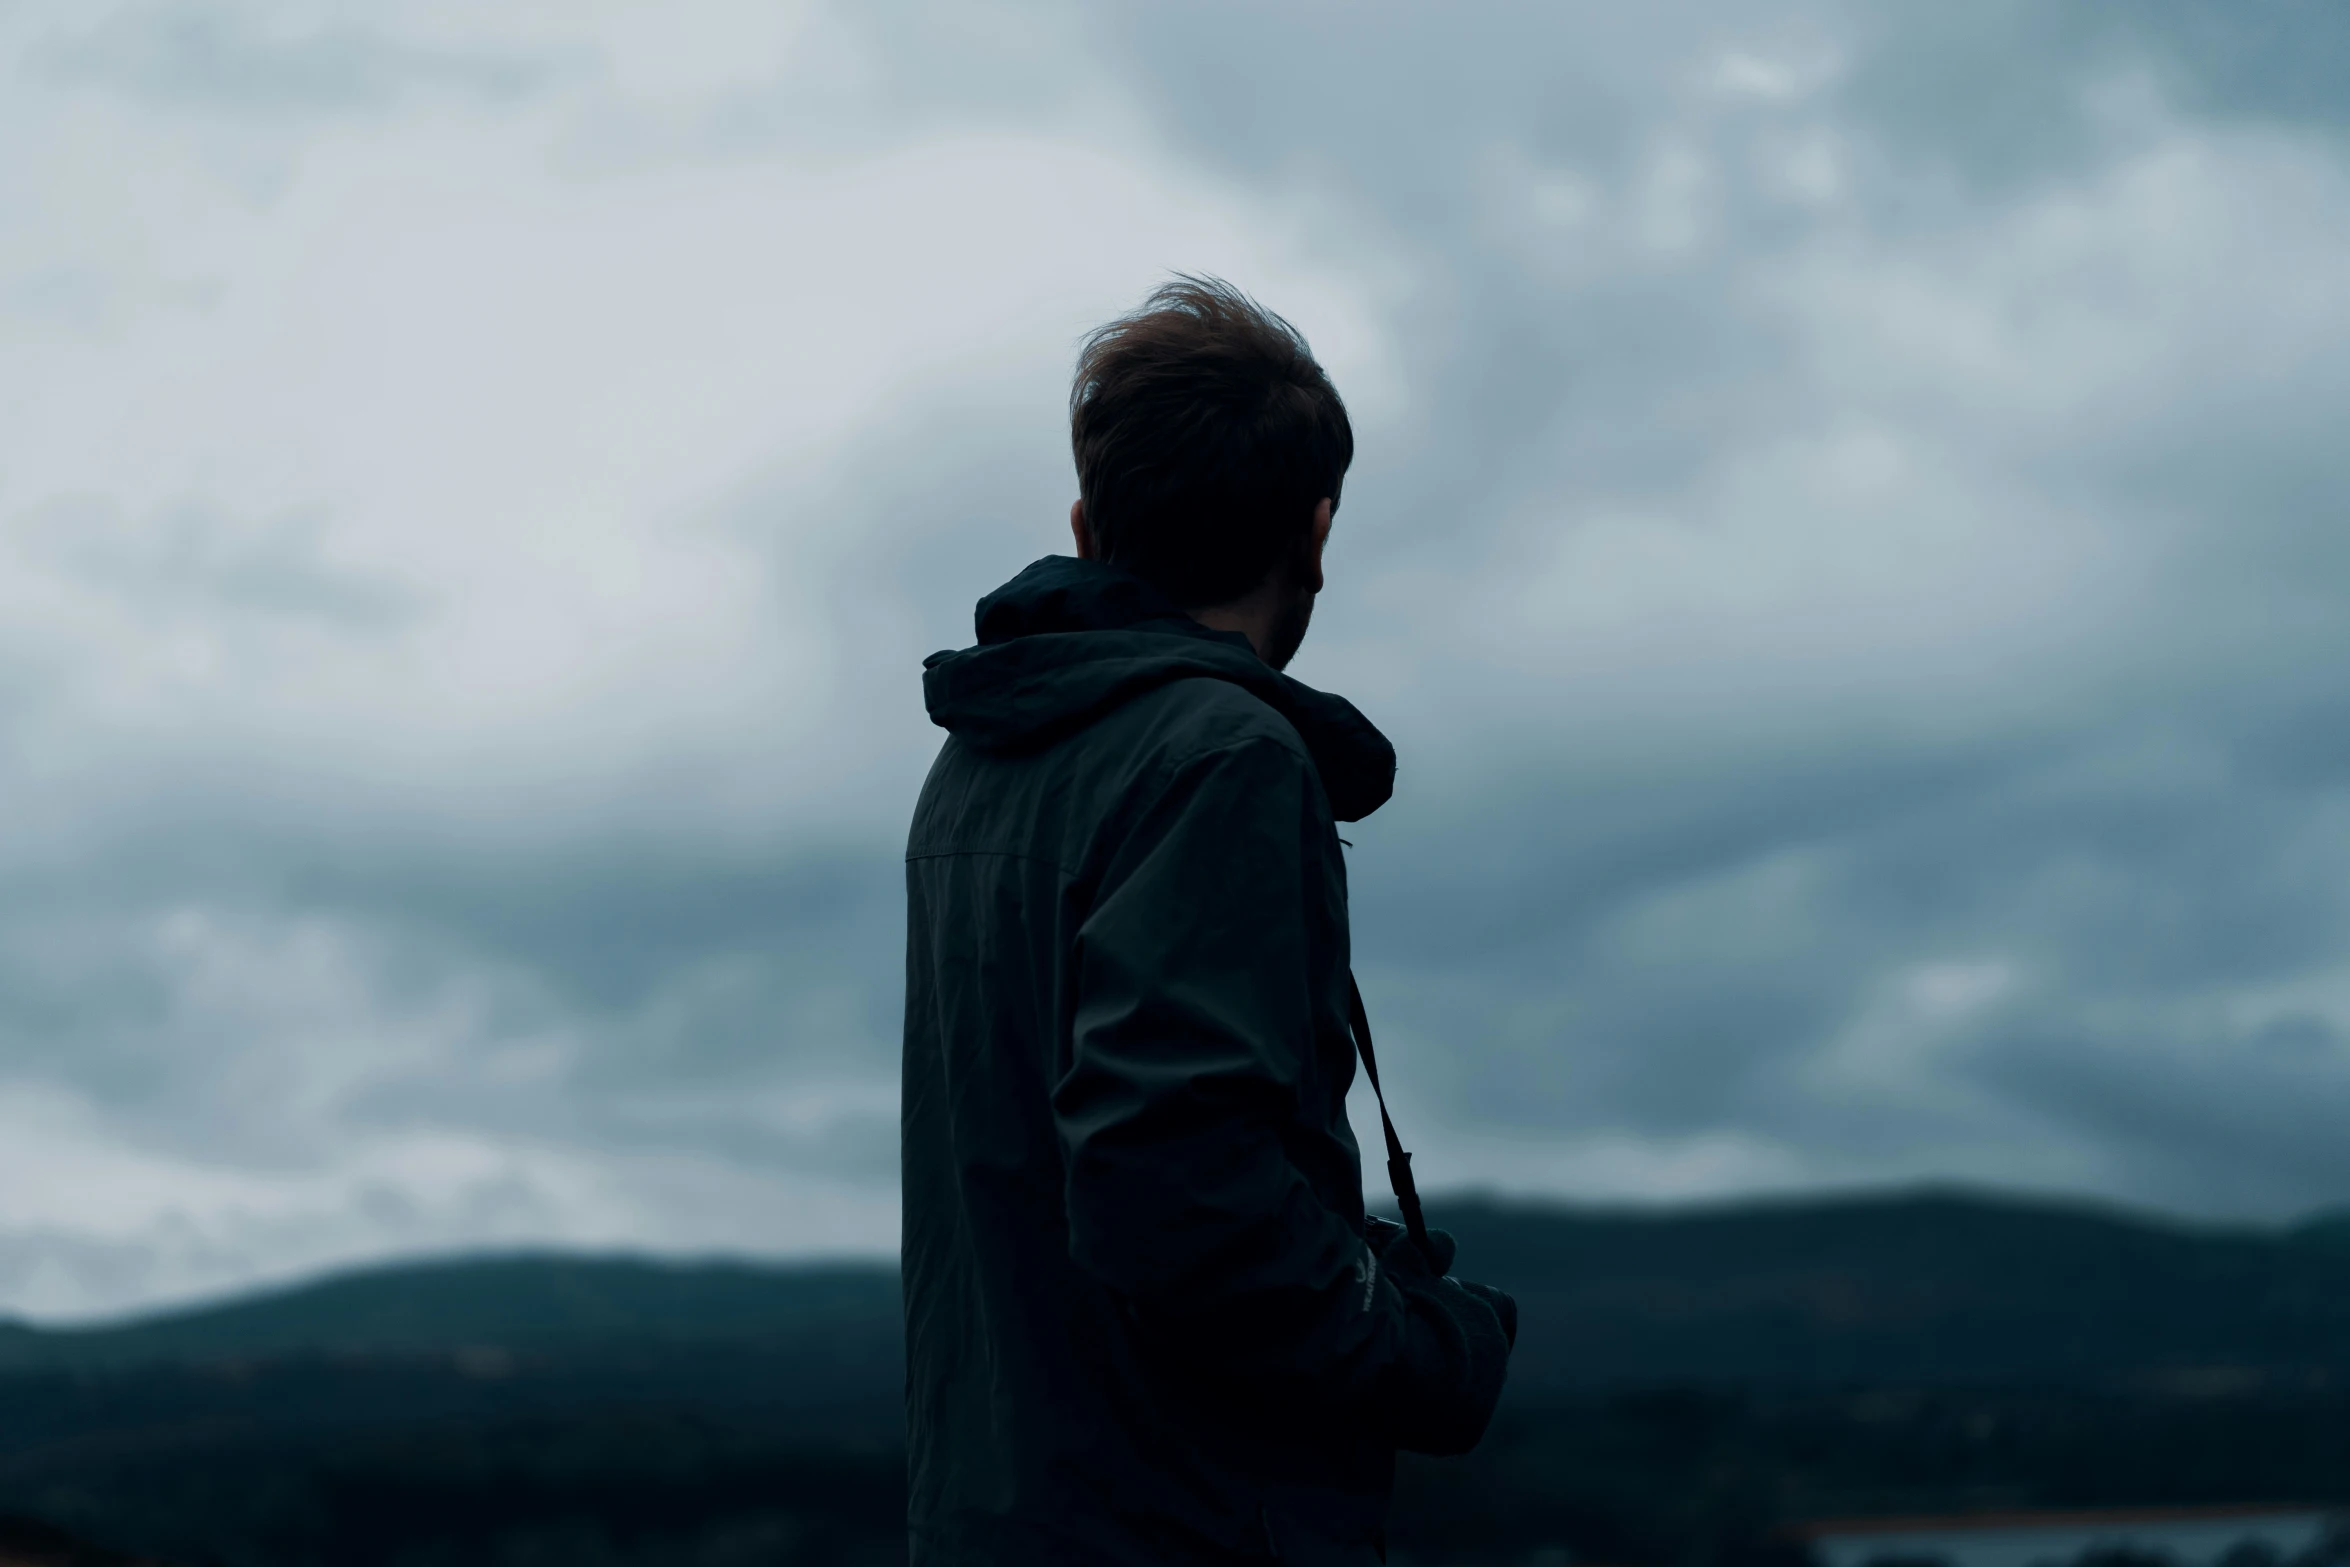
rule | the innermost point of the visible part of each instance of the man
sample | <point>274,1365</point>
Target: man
<point>1147,1319</point>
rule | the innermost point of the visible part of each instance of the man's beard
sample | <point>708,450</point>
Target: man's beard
<point>1289,632</point>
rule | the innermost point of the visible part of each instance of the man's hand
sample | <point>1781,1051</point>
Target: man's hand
<point>1383,1233</point>
<point>1380,1234</point>
<point>1458,1342</point>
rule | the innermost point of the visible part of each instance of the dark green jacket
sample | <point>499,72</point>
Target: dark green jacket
<point>1143,1321</point>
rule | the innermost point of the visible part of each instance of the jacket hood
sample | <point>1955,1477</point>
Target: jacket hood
<point>1067,640</point>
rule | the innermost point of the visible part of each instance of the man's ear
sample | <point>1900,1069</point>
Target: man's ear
<point>1078,531</point>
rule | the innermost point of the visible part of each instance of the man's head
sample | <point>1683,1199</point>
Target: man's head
<point>1210,451</point>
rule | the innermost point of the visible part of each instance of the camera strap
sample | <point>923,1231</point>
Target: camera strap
<point>1399,1163</point>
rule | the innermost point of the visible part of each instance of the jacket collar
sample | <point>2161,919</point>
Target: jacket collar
<point>1067,640</point>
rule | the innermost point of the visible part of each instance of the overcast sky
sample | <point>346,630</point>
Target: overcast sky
<point>1849,540</point>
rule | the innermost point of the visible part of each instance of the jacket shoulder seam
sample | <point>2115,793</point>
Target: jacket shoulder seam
<point>1254,699</point>
<point>1169,768</point>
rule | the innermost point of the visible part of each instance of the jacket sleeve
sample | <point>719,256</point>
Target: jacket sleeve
<point>1192,1027</point>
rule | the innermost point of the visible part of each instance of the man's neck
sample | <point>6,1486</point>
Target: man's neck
<point>1254,617</point>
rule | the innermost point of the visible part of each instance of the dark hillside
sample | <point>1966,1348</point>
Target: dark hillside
<point>2331,1228</point>
<point>488,1410</point>
<point>1688,1382</point>
<point>1915,1288</point>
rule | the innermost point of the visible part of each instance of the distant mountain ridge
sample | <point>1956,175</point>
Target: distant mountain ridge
<point>2330,1228</point>
<point>1922,1286</point>
<point>525,1303</point>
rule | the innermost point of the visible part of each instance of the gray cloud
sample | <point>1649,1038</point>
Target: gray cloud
<point>1844,541</point>
<point>228,58</point>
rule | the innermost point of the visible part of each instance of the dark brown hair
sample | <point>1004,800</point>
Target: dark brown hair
<point>1204,433</point>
